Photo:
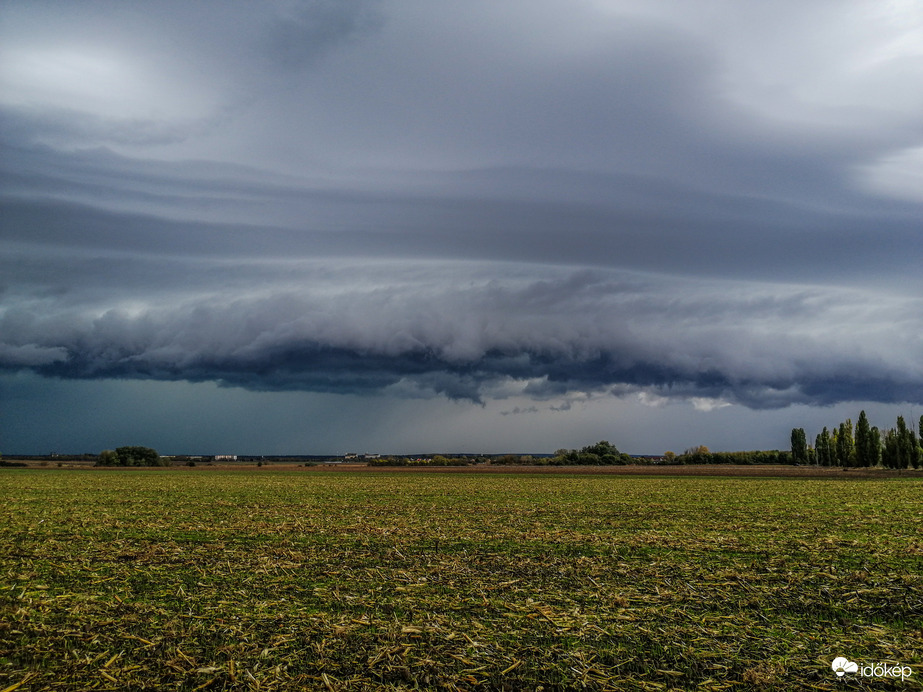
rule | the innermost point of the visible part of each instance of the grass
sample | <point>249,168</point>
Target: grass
<point>278,580</point>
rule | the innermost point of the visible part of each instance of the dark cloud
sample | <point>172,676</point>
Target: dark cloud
<point>483,201</point>
<point>465,330</point>
<point>518,411</point>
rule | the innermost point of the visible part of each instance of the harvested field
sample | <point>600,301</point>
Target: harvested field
<point>756,471</point>
<point>735,470</point>
<point>285,579</point>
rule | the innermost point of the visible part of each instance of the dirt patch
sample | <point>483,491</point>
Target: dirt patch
<point>768,471</point>
<point>756,471</point>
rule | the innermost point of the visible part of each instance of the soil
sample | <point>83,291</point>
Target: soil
<point>754,471</point>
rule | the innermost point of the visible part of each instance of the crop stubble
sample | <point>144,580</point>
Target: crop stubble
<point>283,580</point>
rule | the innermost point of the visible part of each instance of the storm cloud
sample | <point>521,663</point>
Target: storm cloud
<point>524,202</point>
<point>467,330</point>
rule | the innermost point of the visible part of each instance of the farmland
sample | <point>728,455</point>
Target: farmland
<point>284,579</point>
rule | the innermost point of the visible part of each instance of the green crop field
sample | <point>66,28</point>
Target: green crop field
<point>205,579</point>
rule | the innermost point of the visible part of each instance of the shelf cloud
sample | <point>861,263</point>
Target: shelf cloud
<point>462,329</point>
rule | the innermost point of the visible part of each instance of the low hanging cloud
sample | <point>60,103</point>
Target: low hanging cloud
<point>474,331</point>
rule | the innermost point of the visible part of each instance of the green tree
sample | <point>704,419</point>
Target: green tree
<point>875,446</point>
<point>863,441</point>
<point>905,444</point>
<point>822,448</point>
<point>908,450</point>
<point>916,454</point>
<point>107,458</point>
<point>603,452</point>
<point>799,446</point>
<point>890,454</point>
<point>696,455</point>
<point>137,456</point>
<point>601,449</point>
<point>845,447</point>
<point>919,454</point>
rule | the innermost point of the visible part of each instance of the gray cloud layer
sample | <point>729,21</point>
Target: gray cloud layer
<point>476,200</point>
<point>465,330</point>
<point>100,200</point>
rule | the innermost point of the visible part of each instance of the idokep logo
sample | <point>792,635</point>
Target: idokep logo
<point>842,665</point>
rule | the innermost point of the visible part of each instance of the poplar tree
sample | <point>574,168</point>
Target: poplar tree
<point>863,441</point>
<point>891,452</point>
<point>905,443</point>
<point>875,446</point>
<point>915,450</point>
<point>822,448</point>
<point>844,444</point>
<point>799,446</point>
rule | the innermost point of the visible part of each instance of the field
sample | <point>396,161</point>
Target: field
<point>210,579</point>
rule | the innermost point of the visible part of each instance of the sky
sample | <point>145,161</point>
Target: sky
<point>370,226</point>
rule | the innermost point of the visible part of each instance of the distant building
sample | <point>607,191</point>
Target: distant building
<point>225,457</point>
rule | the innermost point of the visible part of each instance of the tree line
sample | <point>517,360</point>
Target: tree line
<point>602,453</point>
<point>131,456</point>
<point>863,446</point>
<point>702,455</point>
